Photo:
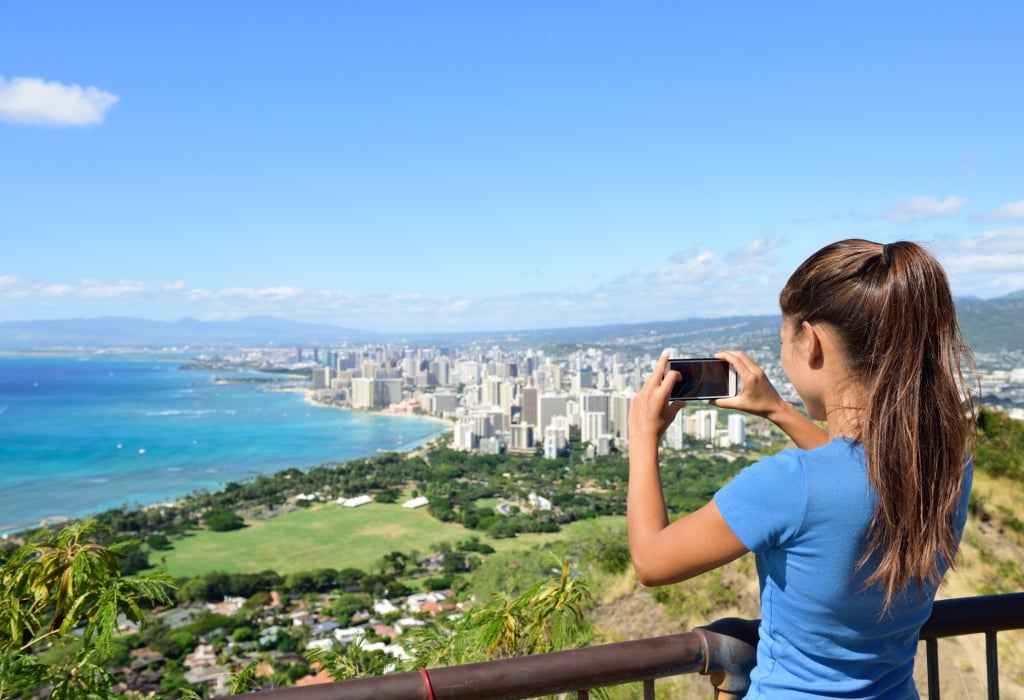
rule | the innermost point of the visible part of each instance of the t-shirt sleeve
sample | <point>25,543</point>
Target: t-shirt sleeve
<point>764,504</point>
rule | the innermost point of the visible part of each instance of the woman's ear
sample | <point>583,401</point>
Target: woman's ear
<point>813,341</point>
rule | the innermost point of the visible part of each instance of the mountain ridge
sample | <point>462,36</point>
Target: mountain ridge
<point>990,325</point>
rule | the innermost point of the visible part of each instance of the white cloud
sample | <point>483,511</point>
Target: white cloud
<point>96,289</point>
<point>1012,211</point>
<point>689,268</point>
<point>35,101</point>
<point>757,253</point>
<point>923,207</point>
<point>694,283</point>
<point>987,265</point>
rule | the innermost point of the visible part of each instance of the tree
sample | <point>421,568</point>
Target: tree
<point>158,542</point>
<point>54,585</point>
<point>222,520</point>
<point>388,495</point>
<point>348,604</point>
<point>393,564</point>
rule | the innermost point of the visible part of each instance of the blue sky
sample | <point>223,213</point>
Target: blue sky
<point>409,166</point>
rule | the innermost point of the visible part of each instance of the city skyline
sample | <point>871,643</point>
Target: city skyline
<point>401,167</point>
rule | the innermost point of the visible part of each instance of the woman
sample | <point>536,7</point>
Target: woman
<point>854,528</point>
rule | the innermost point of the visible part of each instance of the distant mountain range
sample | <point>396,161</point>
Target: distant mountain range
<point>120,331</point>
<point>990,325</point>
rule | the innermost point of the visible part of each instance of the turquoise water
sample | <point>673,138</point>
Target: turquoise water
<point>81,435</point>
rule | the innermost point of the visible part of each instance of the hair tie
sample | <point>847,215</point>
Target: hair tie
<point>886,255</point>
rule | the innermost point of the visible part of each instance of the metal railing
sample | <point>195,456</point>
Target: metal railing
<point>986,615</point>
<point>724,651</point>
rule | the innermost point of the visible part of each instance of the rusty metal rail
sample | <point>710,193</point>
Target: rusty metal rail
<point>725,651</point>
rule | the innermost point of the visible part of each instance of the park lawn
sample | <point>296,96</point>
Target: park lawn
<point>323,536</point>
<point>529,540</point>
<point>332,536</point>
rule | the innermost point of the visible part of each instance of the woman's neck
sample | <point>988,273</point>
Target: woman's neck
<point>844,413</point>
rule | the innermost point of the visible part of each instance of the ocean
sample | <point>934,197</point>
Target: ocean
<point>79,435</point>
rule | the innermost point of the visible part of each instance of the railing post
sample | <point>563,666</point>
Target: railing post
<point>931,646</point>
<point>730,646</point>
<point>992,665</point>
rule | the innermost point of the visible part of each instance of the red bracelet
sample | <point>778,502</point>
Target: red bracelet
<point>426,679</point>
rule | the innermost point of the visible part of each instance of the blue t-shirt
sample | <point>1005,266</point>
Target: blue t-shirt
<point>805,515</point>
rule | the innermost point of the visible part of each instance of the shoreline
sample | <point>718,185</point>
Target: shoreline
<point>309,397</point>
<point>17,529</point>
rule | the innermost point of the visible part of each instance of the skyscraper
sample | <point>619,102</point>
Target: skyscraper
<point>737,429</point>
<point>707,424</point>
<point>531,406</point>
<point>551,405</point>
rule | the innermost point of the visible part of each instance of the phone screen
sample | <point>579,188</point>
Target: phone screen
<point>702,379</point>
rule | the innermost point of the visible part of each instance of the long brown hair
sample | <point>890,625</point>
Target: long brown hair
<point>892,309</point>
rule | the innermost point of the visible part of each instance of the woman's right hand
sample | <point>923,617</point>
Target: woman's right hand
<point>757,395</point>
<point>760,398</point>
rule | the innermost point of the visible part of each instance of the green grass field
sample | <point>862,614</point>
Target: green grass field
<point>324,536</point>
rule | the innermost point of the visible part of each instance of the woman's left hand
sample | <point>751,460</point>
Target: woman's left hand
<point>650,412</point>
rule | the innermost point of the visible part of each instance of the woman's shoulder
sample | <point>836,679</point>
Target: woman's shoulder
<point>837,449</point>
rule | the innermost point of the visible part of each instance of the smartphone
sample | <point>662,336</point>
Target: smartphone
<point>703,378</point>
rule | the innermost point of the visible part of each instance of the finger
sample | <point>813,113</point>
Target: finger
<point>657,377</point>
<point>669,378</point>
<point>741,362</point>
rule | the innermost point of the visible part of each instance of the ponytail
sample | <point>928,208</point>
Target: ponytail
<point>893,312</point>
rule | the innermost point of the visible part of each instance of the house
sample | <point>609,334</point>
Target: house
<point>324,627</point>
<point>538,502</point>
<point>382,630</point>
<point>215,677</point>
<point>355,502</point>
<point>347,635</point>
<point>269,635</point>
<point>320,677</point>
<point>431,608</point>
<point>407,622</point>
<point>384,607</point>
<point>302,617</point>
<point>416,601</point>
<point>203,656</point>
<point>229,606</point>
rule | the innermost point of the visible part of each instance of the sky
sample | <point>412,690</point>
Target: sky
<point>494,165</point>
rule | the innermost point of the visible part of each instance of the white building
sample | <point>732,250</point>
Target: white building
<point>521,439</point>
<point>675,435</point>
<point>463,437</point>
<point>619,413</point>
<point>375,393</point>
<point>706,424</point>
<point>362,392</point>
<point>469,371</point>
<point>551,405</point>
<point>443,402</point>
<point>593,425</point>
<point>737,429</point>
<point>322,377</point>
<point>556,440</point>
